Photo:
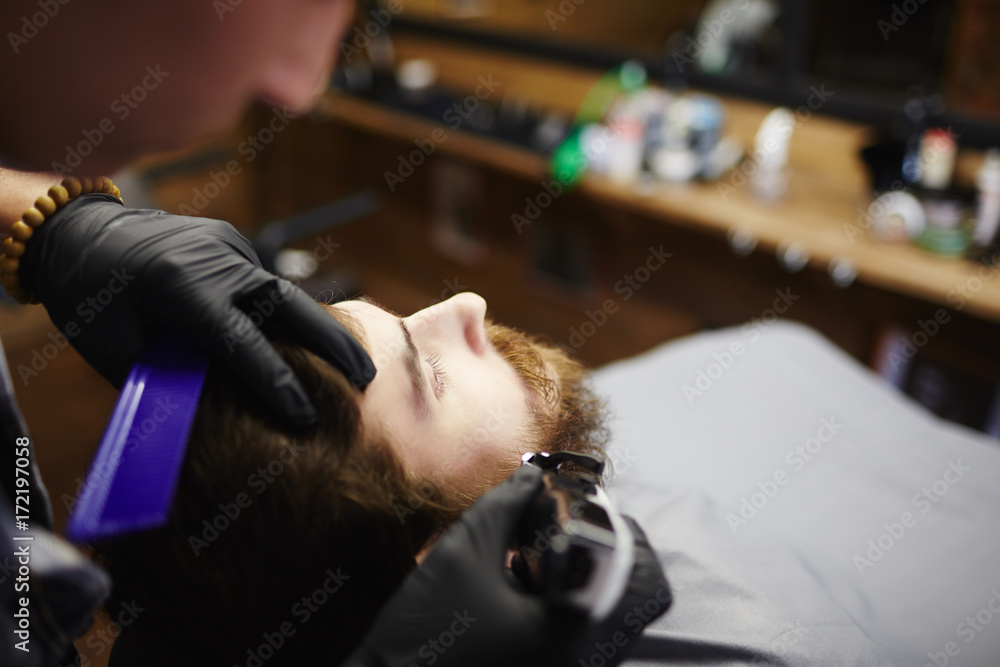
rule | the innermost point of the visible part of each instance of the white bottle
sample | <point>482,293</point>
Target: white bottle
<point>988,215</point>
<point>626,146</point>
<point>770,180</point>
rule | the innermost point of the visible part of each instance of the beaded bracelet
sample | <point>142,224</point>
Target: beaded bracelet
<point>58,196</point>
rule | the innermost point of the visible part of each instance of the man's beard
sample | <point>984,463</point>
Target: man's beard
<point>567,413</point>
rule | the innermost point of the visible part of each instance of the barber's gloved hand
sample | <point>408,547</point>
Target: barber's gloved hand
<point>461,607</point>
<point>112,277</point>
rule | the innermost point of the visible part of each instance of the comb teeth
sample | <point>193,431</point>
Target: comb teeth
<point>131,483</point>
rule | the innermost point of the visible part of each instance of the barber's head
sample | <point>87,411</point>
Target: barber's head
<point>118,79</point>
<point>264,515</point>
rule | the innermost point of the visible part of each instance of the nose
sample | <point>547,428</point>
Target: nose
<point>463,314</point>
<point>298,75</point>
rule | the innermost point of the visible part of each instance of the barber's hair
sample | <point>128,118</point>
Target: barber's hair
<point>282,545</point>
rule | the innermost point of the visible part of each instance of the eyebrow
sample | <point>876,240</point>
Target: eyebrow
<point>411,359</point>
<point>414,370</point>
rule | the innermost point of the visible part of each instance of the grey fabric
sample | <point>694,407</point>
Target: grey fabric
<point>787,586</point>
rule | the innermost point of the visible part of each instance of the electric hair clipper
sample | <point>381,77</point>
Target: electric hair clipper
<point>573,547</point>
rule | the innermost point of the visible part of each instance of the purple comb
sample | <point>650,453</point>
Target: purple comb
<point>131,483</point>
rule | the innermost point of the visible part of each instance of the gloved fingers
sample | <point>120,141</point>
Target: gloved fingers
<point>309,323</point>
<point>490,524</point>
<point>248,356</point>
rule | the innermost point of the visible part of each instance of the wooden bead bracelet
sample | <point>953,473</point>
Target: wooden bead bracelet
<point>58,196</point>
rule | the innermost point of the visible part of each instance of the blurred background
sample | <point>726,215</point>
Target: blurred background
<point>614,176</point>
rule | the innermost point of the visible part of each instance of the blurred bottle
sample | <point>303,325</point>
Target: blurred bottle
<point>770,180</point>
<point>988,214</point>
<point>937,158</point>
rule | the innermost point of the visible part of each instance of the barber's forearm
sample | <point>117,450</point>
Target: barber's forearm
<point>18,192</point>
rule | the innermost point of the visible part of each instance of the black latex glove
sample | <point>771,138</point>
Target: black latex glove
<point>112,277</point>
<point>461,607</point>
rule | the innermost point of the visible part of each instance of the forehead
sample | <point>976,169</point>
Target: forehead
<point>396,358</point>
<point>372,326</point>
<point>366,308</point>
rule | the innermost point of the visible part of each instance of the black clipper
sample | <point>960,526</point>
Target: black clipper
<point>573,547</point>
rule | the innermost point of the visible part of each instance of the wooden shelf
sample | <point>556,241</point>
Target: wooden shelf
<point>815,214</point>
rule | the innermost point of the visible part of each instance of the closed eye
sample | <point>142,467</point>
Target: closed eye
<point>440,377</point>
